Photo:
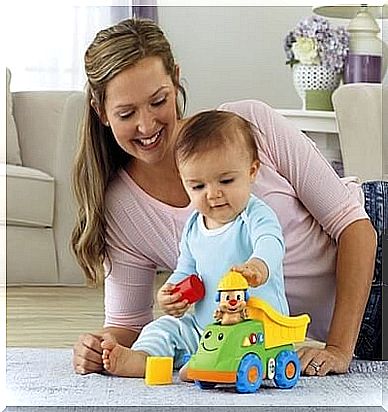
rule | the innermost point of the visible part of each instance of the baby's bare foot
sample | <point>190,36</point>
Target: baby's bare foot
<point>121,361</point>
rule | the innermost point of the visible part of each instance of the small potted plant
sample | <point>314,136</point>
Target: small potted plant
<point>316,52</point>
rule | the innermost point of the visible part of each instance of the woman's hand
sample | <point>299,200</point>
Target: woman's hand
<point>87,354</point>
<point>320,362</point>
<point>255,271</point>
<point>169,302</point>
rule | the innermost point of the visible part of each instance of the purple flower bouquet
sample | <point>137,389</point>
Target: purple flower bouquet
<point>315,42</point>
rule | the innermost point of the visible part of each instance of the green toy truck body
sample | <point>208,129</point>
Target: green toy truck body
<point>245,353</point>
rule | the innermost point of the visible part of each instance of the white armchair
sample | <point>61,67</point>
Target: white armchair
<point>40,205</point>
<point>364,146</point>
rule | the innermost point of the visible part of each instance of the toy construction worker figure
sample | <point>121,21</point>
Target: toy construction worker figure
<point>232,296</point>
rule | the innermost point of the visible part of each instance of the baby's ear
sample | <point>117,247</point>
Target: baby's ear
<point>254,169</point>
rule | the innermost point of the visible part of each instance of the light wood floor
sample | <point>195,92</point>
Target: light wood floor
<point>54,316</point>
<point>51,316</point>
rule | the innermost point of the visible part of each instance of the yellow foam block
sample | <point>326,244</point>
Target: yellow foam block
<point>158,370</point>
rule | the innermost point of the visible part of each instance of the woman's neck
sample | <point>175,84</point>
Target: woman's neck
<point>161,181</point>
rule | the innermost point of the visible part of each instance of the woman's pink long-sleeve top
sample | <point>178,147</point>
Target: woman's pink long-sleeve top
<point>312,203</point>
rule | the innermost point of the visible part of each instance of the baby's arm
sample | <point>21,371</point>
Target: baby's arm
<point>267,244</point>
<point>169,301</point>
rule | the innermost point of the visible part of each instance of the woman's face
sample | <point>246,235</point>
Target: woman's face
<point>140,106</point>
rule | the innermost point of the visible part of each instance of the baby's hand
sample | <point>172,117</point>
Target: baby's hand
<point>169,302</point>
<point>255,271</point>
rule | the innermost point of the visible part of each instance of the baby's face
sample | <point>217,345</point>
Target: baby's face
<point>218,183</point>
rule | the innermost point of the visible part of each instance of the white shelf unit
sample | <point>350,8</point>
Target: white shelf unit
<point>312,120</point>
<point>321,127</point>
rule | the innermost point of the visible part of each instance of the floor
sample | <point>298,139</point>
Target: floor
<point>53,317</point>
<point>39,378</point>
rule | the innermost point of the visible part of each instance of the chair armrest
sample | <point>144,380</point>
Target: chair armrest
<point>42,119</point>
<point>358,108</point>
<point>48,125</point>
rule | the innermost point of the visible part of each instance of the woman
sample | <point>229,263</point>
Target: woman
<point>132,205</point>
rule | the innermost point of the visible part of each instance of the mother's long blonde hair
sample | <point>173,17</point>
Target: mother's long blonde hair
<point>99,156</point>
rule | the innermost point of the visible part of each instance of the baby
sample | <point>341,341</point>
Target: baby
<point>217,159</point>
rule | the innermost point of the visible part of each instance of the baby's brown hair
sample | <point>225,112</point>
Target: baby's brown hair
<point>213,129</point>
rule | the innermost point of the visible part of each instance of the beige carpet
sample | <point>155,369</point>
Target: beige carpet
<point>44,377</point>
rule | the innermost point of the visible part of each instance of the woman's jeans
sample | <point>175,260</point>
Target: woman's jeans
<point>369,344</point>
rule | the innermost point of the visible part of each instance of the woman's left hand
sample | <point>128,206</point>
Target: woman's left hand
<point>320,362</point>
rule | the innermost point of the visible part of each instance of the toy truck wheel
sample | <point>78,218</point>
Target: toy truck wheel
<point>287,369</point>
<point>205,385</point>
<point>249,374</point>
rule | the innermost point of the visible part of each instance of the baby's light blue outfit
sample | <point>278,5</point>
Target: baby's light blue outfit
<point>210,253</point>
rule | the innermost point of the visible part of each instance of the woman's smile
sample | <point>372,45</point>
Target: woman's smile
<point>149,143</point>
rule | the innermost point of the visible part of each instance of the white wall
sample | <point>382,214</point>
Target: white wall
<point>228,53</point>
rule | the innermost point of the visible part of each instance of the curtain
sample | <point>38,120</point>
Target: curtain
<point>46,44</point>
<point>145,9</point>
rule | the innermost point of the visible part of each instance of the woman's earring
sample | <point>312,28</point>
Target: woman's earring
<point>107,124</point>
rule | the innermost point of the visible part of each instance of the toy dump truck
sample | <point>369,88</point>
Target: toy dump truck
<point>259,347</point>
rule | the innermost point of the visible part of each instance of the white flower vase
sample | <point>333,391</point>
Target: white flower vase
<point>310,77</point>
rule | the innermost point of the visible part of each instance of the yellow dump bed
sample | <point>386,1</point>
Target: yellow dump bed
<point>278,329</point>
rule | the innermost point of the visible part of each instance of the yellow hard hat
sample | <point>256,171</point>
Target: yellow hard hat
<point>233,281</point>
